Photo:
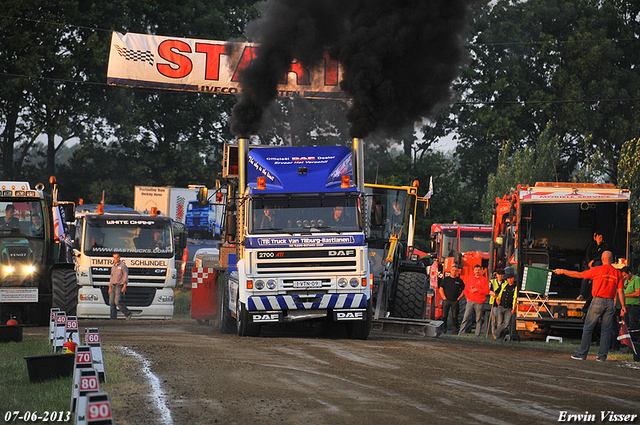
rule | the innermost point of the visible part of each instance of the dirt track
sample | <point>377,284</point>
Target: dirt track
<point>299,379</point>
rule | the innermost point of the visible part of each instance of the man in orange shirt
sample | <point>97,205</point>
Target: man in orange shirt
<point>607,284</point>
<point>476,290</point>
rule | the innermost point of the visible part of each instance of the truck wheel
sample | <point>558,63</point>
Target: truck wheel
<point>361,329</point>
<point>244,327</point>
<point>411,295</point>
<point>227,325</point>
<point>64,289</point>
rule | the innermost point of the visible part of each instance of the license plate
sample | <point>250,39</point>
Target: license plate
<point>575,313</point>
<point>307,283</point>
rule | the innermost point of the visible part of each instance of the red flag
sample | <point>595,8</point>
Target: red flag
<point>625,338</point>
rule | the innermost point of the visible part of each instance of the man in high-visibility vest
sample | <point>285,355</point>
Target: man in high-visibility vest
<point>506,299</point>
<point>494,286</point>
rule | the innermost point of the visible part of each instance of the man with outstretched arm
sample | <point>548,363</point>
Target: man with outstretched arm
<point>607,284</point>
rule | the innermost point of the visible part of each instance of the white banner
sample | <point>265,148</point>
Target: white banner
<point>141,60</point>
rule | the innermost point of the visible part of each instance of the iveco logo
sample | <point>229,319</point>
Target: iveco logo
<point>342,253</point>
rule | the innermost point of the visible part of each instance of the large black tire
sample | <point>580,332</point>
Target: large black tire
<point>411,295</point>
<point>243,326</point>
<point>361,329</point>
<point>227,324</point>
<point>64,290</point>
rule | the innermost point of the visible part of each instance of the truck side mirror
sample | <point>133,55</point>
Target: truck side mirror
<point>203,195</point>
<point>182,240</point>
<point>230,233</point>
<point>72,235</point>
<point>69,209</point>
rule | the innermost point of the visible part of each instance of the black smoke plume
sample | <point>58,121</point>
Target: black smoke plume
<point>398,57</point>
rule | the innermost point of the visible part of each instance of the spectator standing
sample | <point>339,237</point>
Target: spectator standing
<point>451,290</point>
<point>494,285</point>
<point>595,249</point>
<point>506,299</point>
<point>475,291</point>
<point>632,301</point>
<point>607,284</point>
<point>117,287</point>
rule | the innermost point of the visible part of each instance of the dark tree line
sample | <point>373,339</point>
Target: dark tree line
<point>540,70</point>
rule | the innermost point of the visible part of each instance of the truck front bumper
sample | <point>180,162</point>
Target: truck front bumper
<point>306,302</point>
<point>93,305</point>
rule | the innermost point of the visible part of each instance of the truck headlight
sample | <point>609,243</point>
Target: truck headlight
<point>30,269</point>
<point>259,284</point>
<point>9,269</point>
<point>271,284</point>
<point>165,299</point>
<point>354,282</point>
<point>88,297</point>
<point>342,282</point>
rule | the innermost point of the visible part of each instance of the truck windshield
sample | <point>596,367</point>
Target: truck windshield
<point>470,241</point>
<point>22,231</point>
<point>305,213</point>
<point>105,237</point>
<point>390,209</point>
<point>474,241</point>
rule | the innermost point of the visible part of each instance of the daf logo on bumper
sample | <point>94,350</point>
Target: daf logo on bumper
<point>340,315</point>
<point>342,253</point>
<point>265,317</point>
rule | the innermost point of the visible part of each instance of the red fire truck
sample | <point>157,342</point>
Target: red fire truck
<point>462,244</point>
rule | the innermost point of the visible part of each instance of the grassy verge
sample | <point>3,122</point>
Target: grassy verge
<point>569,346</point>
<point>18,393</point>
<point>182,303</point>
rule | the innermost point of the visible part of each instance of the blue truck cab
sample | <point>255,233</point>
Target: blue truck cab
<point>301,252</point>
<point>203,220</point>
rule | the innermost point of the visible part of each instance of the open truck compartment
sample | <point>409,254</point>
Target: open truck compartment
<point>557,235</point>
<point>549,226</point>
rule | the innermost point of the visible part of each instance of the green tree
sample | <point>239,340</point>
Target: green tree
<point>39,96</point>
<point>629,178</point>
<point>567,65</point>
<point>524,166</point>
<point>54,55</point>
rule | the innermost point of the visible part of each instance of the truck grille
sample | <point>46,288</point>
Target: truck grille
<point>308,261</point>
<point>136,275</point>
<point>304,266</point>
<point>134,296</point>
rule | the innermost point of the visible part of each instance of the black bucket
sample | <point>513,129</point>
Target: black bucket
<point>10,333</point>
<point>50,366</point>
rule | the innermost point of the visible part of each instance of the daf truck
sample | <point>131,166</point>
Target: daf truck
<point>145,244</point>
<point>296,235</point>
